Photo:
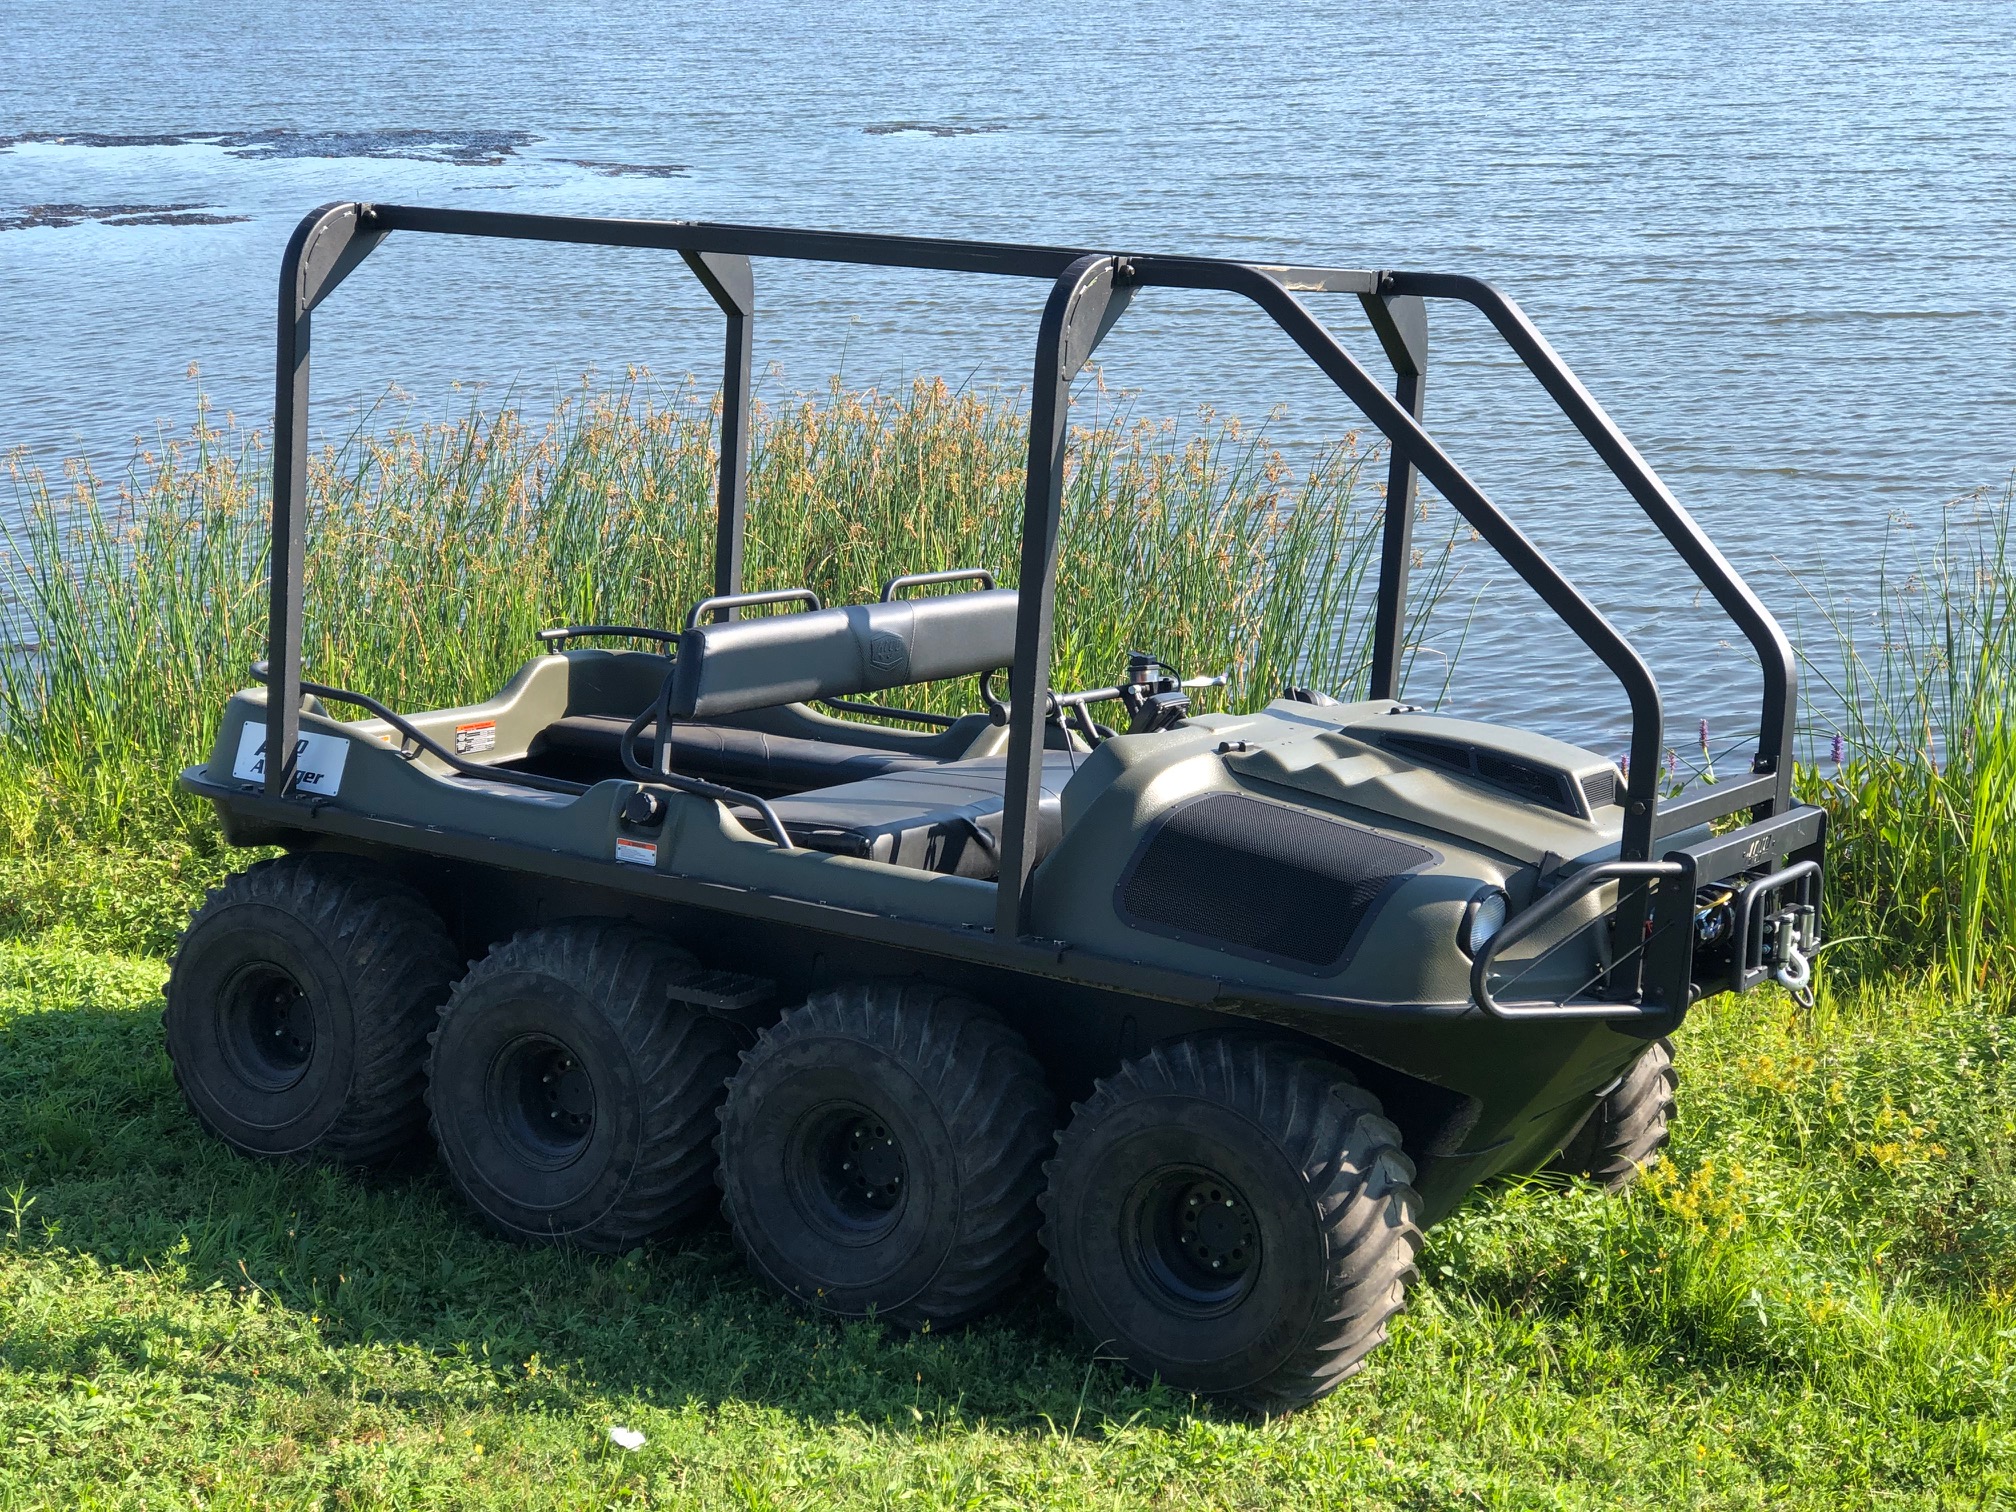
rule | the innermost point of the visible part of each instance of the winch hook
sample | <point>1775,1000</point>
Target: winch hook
<point>1794,972</point>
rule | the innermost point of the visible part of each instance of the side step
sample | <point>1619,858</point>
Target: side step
<point>732,995</point>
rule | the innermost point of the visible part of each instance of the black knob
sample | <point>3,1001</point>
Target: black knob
<point>643,807</point>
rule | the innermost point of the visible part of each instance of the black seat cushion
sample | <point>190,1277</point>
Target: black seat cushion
<point>945,819</point>
<point>748,759</point>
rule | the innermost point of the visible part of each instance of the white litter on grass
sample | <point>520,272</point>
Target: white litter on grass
<point>626,1438</point>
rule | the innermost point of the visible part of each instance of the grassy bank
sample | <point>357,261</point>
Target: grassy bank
<point>1813,1301</point>
<point>1812,1305</point>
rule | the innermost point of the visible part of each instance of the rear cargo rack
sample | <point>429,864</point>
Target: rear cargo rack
<point>1090,290</point>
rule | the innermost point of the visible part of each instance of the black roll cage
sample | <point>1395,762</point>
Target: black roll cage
<point>1089,292</point>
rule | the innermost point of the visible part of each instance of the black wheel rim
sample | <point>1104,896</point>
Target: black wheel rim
<point>848,1171</point>
<point>1192,1237</point>
<point>543,1100</point>
<point>268,1027</point>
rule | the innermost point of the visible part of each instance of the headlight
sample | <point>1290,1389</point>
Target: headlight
<point>1482,919</point>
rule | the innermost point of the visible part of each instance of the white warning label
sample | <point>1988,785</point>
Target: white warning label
<point>637,852</point>
<point>318,760</point>
<point>480,735</point>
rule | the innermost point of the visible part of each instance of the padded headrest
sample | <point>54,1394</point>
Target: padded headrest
<point>838,653</point>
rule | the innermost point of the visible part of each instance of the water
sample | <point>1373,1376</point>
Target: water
<point>1774,239</point>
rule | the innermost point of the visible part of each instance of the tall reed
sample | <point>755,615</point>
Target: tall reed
<point>1916,760</point>
<point>436,551</point>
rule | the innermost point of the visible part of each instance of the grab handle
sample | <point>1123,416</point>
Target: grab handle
<point>565,633</point>
<point>896,585</point>
<point>725,601</point>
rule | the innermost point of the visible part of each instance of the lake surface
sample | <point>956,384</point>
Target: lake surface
<point>1777,241</point>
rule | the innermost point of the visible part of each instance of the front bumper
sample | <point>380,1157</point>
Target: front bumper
<point>1721,915</point>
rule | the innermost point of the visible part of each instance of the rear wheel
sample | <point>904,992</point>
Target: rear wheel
<point>1234,1217</point>
<point>1628,1127</point>
<point>298,1008</point>
<point>572,1098</point>
<point>881,1151</point>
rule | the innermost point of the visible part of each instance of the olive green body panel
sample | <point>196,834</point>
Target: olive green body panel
<point>1491,1095</point>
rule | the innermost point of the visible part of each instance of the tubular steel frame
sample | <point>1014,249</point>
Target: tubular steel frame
<point>1089,292</point>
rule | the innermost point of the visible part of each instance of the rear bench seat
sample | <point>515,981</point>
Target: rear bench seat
<point>740,666</point>
<point>934,812</point>
<point>946,818</point>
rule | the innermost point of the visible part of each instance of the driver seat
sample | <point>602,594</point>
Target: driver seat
<point>944,818</point>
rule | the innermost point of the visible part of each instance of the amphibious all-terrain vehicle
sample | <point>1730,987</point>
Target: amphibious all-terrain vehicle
<point>1218,1010</point>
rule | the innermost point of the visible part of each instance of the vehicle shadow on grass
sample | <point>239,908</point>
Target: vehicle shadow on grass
<point>96,1140</point>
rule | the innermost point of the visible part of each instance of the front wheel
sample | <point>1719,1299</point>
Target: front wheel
<point>1234,1217</point>
<point>1628,1127</point>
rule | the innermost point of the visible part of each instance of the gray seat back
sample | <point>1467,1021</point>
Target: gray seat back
<point>838,653</point>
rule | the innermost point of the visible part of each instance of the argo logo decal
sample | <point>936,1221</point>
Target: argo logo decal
<point>318,760</point>
<point>888,653</point>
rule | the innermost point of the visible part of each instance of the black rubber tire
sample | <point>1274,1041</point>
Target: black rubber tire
<point>299,1001</point>
<point>585,1007</point>
<point>1628,1128</point>
<point>1318,1234</point>
<point>951,1104</point>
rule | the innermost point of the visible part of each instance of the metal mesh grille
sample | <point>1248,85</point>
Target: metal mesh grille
<point>1599,789</point>
<point>1262,878</point>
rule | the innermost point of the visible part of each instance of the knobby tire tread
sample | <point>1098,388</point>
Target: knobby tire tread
<point>1629,1127</point>
<point>1359,1179</point>
<point>400,962</point>
<point>958,1050</point>
<point>682,1057</point>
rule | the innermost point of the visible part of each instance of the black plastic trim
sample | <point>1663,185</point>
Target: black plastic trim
<point>1301,966</point>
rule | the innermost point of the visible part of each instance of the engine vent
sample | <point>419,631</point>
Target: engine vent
<point>1599,790</point>
<point>1550,787</point>
<point>1262,879</point>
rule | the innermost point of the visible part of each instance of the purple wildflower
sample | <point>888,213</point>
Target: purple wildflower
<point>1704,737</point>
<point>1839,750</point>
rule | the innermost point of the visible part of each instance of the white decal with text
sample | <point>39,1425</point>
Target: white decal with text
<point>318,760</point>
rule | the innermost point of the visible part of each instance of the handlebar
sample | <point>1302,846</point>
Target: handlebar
<point>1107,695</point>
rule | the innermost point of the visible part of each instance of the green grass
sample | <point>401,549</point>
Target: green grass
<point>1812,1305</point>
<point>1812,1302</point>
